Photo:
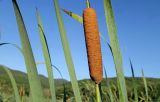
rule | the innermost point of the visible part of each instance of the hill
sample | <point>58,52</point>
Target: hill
<point>86,86</point>
<point>21,78</point>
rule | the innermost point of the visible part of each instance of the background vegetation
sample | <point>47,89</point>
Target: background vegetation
<point>86,87</point>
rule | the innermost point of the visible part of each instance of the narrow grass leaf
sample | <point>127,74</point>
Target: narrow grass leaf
<point>116,50</point>
<point>14,84</point>
<point>134,83</point>
<point>67,53</point>
<point>109,87</point>
<point>34,80</point>
<point>64,94</point>
<point>110,48</point>
<point>56,68</point>
<point>74,16</point>
<point>101,92</point>
<point>64,87</point>
<point>47,58</point>
<point>14,45</point>
<point>145,85</point>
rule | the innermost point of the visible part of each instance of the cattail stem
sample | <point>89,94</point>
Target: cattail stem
<point>98,97</point>
<point>22,99</point>
<point>88,4</point>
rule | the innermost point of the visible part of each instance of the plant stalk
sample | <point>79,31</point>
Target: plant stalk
<point>98,97</point>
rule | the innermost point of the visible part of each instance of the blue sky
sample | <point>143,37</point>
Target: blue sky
<point>137,21</point>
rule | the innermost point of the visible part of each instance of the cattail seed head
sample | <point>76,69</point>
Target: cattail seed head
<point>92,40</point>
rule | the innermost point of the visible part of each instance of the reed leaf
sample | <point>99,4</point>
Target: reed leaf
<point>112,32</point>
<point>134,83</point>
<point>67,53</point>
<point>64,87</point>
<point>34,80</point>
<point>58,70</point>
<point>47,58</point>
<point>64,94</point>
<point>73,15</point>
<point>145,85</point>
<point>14,45</point>
<point>101,92</point>
<point>109,87</point>
<point>13,83</point>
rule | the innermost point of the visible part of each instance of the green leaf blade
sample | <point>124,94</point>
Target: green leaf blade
<point>67,53</point>
<point>34,81</point>
<point>134,83</point>
<point>145,85</point>
<point>47,58</point>
<point>112,32</point>
<point>109,87</point>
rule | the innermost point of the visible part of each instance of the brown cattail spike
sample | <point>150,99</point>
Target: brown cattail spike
<point>93,44</point>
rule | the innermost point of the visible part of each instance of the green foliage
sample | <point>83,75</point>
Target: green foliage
<point>22,78</point>
<point>87,87</point>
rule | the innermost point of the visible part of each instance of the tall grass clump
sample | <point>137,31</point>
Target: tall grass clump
<point>47,58</point>
<point>112,32</point>
<point>67,53</point>
<point>34,81</point>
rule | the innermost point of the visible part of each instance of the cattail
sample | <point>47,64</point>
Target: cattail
<point>92,39</point>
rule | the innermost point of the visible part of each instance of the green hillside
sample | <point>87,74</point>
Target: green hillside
<point>21,78</point>
<point>86,86</point>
